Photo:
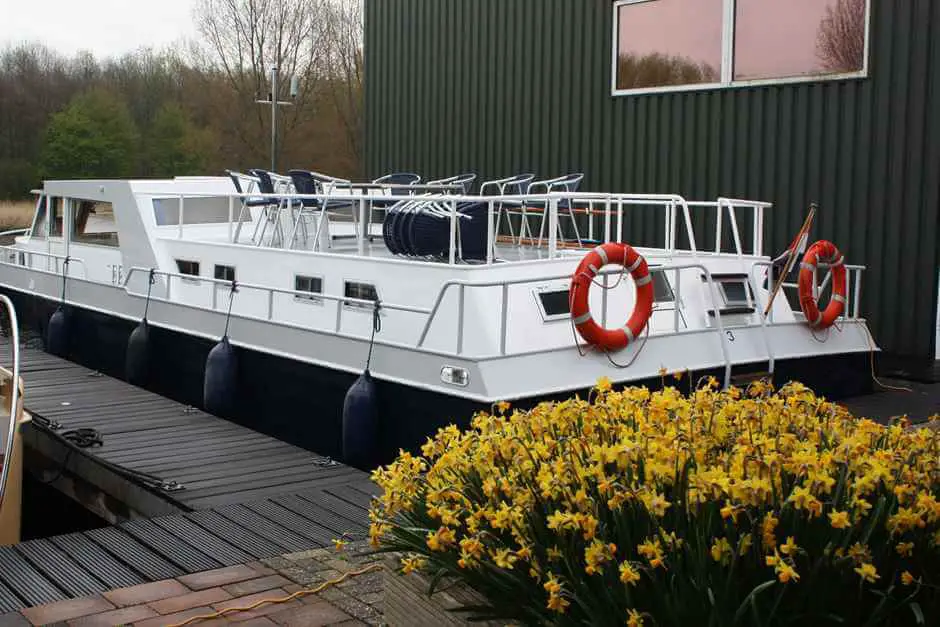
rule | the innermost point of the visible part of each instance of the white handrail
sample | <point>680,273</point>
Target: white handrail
<point>503,332</point>
<point>672,204</point>
<point>27,253</point>
<point>7,461</point>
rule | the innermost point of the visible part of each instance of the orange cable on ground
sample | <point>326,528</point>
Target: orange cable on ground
<point>300,593</point>
<point>874,377</point>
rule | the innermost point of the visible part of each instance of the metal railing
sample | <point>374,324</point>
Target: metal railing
<point>268,290</point>
<point>29,254</point>
<point>613,209</point>
<point>7,462</point>
<point>853,288</point>
<point>462,286</point>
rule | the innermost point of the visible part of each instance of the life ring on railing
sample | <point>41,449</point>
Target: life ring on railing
<point>822,252</point>
<point>633,263</point>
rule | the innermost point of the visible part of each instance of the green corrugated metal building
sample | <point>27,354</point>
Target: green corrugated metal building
<point>506,86</point>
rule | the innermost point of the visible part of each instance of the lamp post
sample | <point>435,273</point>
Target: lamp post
<point>275,103</point>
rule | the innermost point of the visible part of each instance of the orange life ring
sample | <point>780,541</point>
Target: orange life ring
<point>635,264</point>
<point>826,253</point>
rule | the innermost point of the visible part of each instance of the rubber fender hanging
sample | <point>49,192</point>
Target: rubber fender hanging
<point>221,377</point>
<point>361,423</point>
<point>57,334</point>
<point>137,359</point>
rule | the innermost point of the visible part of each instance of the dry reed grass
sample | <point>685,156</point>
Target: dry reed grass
<point>16,213</point>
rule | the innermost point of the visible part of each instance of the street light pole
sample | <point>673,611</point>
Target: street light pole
<point>275,103</point>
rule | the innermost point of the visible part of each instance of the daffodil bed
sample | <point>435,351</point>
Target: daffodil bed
<point>751,507</point>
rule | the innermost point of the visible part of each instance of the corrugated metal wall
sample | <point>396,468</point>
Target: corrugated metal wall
<point>504,86</point>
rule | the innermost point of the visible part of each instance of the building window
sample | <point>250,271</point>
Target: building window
<point>650,53</point>
<point>312,284</point>
<point>361,291</point>
<point>668,45</point>
<point>187,267</point>
<point>223,273</point>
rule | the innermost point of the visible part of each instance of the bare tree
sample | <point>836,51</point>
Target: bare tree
<point>345,69</point>
<point>244,38</point>
<point>840,41</point>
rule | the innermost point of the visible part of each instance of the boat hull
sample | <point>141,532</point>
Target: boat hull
<point>302,403</point>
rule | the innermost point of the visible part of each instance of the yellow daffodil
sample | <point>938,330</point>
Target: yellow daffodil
<point>839,520</point>
<point>868,572</point>
<point>634,619</point>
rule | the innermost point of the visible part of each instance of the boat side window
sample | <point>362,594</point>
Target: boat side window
<point>735,293</point>
<point>94,223</point>
<point>662,290</point>
<point>554,304</point>
<point>362,291</point>
<point>312,284</point>
<point>187,267</point>
<point>57,213</point>
<point>197,210</point>
<point>39,220</point>
<point>223,273</point>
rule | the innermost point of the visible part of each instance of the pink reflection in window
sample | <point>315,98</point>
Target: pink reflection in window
<point>669,42</point>
<point>780,39</point>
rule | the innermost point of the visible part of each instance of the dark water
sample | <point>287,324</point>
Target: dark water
<point>48,512</point>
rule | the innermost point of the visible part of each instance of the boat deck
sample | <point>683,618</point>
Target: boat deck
<point>245,496</point>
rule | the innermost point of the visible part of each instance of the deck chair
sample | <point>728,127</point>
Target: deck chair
<point>246,184</point>
<point>394,178</point>
<point>464,180</point>
<point>321,184</point>
<point>511,186</point>
<point>273,183</point>
<point>568,183</point>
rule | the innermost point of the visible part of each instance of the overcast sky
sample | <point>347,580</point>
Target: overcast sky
<point>103,27</point>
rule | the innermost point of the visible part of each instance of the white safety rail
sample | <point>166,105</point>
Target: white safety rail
<point>54,263</point>
<point>605,214</point>
<point>217,300</point>
<point>853,289</point>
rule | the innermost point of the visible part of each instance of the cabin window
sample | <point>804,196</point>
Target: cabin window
<point>94,223</point>
<point>662,291</point>
<point>312,284</point>
<point>187,267</point>
<point>203,210</point>
<point>362,291</point>
<point>555,304</point>
<point>40,226</point>
<point>224,273</point>
<point>734,293</point>
<point>728,43</point>
<point>57,213</point>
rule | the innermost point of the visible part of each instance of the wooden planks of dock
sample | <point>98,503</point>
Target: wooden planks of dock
<point>218,462</point>
<point>245,496</point>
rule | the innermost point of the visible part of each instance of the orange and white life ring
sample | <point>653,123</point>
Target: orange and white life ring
<point>590,266</point>
<point>822,252</point>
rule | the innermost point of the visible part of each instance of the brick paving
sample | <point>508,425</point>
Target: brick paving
<point>355,602</point>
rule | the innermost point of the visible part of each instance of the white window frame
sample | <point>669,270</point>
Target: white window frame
<point>315,298</point>
<point>727,59</point>
<point>359,306</point>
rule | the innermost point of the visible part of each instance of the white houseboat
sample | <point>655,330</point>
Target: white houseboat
<point>455,300</point>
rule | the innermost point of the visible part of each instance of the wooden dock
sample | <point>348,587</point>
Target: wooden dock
<point>187,492</point>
